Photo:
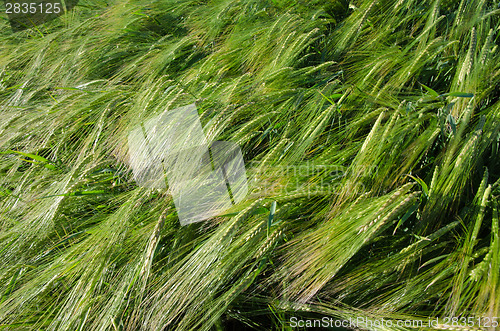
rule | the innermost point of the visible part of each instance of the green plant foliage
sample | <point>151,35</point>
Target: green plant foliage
<point>370,131</point>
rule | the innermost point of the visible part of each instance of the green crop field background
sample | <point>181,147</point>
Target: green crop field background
<point>370,131</point>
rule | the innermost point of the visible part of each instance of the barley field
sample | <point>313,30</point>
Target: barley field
<point>370,134</point>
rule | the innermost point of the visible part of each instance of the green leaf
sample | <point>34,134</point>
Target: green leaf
<point>87,192</point>
<point>453,125</point>
<point>431,91</point>
<point>260,210</point>
<point>425,189</point>
<point>431,261</point>
<point>406,216</point>
<point>460,94</point>
<point>327,98</point>
<point>46,163</point>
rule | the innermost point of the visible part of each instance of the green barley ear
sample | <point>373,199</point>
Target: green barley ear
<point>459,283</point>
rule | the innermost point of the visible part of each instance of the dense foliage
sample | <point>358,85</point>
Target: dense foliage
<point>370,131</point>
